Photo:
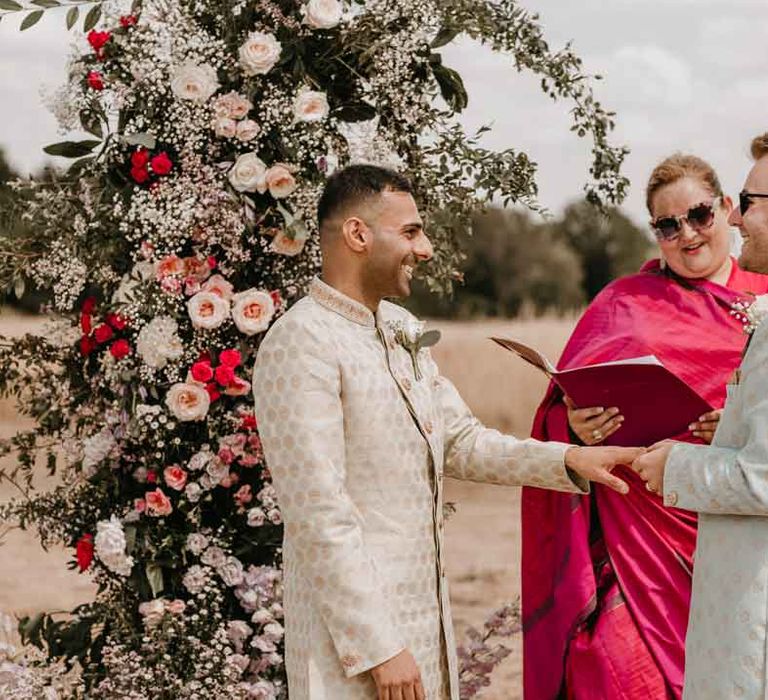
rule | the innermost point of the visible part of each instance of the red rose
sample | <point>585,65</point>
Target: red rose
<point>161,164</point>
<point>120,349</point>
<point>117,322</point>
<point>277,300</point>
<point>140,158</point>
<point>224,375</point>
<point>202,372</point>
<point>95,80</point>
<point>248,423</point>
<point>84,552</point>
<point>103,333</point>
<point>127,21</point>
<point>85,323</point>
<point>87,345</point>
<point>212,262</point>
<point>140,175</point>
<point>230,358</point>
<point>88,305</point>
<point>151,477</point>
<point>98,40</point>
<point>213,391</point>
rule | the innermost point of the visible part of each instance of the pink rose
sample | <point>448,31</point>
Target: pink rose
<point>175,477</point>
<point>169,265</point>
<point>218,285</point>
<point>175,607</point>
<point>238,387</point>
<point>280,181</point>
<point>158,504</point>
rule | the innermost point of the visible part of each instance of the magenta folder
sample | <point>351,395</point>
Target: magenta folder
<point>655,403</point>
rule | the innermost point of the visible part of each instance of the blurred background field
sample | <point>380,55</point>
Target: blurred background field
<point>483,537</point>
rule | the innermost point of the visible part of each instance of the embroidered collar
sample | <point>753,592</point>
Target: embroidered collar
<point>333,299</point>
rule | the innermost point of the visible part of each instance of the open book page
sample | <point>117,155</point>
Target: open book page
<point>644,360</point>
<point>528,354</point>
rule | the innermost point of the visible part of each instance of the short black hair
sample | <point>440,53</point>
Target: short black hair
<point>355,183</point>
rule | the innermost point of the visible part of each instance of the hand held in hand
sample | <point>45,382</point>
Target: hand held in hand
<point>597,463</point>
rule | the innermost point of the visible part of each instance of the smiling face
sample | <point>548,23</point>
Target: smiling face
<point>753,224</point>
<point>398,245</point>
<point>695,254</point>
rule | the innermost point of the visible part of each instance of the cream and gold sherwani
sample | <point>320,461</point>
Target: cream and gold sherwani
<point>358,449</point>
<point>727,484</point>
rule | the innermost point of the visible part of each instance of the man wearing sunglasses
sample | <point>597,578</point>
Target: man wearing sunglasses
<point>727,484</point>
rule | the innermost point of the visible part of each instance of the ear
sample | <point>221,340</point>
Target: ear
<point>727,204</point>
<point>356,235</point>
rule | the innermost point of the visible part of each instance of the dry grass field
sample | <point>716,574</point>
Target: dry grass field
<point>482,537</point>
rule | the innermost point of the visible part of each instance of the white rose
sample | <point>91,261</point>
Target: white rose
<point>231,571</point>
<point>198,460</point>
<point>262,617</point>
<point>225,127</point>
<point>280,181</point>
<point>256,517</point>
<point>194,82</point>
<point>158,342</point>
<point>238,631</point>
<point>195,579</point>
<point>193,492</point>
<point>310,106</point>
<point>232,105</point>
<point>248,174</point>
<point>152,611</point>
<point>207,310</point>
<point>217,469</point>
<point>110,545</point>
<point>259,53</point>
<point>413,329</point>
<point>214,556</point>
<point>252,311</point>
<point>322,14</point>
<point>247,130</point>
<point>188,402</point>
<point>196,543</point>
<point>274,631</point>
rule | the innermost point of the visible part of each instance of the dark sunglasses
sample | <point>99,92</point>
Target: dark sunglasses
<point>745,200</point>
<point>699,217</point>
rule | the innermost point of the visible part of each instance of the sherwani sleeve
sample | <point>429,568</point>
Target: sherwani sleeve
<point>476,453</point>
<point>727,480</point>
<point>297,389</point>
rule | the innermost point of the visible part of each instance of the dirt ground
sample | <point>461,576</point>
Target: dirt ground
<point>482,539</point>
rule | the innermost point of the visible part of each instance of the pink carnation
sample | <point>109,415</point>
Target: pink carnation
<point>175,477</point>
<point>158,504</point>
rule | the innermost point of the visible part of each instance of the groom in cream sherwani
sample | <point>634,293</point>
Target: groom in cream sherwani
<point>359,430</point>
<point>727,484</point>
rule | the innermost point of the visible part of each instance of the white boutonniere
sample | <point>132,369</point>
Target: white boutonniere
<point>751,313</point>
<point>411,335</point>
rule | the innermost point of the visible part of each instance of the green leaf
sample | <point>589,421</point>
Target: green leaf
<point>92,18</point>
<point>46,3</point>
<point>91,123</point>
<point>429,339</point>
<point>71,149</point>
<point>79,165</point>
<point>155,578</point>
<point>451,86</point>
<point>31,19</point>
<point>445,36</point>
<point>72,16</point>
<point>140,139</point>
<point>355,112</point>
<point>10,5</point>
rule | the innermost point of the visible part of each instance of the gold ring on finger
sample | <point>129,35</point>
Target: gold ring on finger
<point>597,434</point>
<point>648,486</point>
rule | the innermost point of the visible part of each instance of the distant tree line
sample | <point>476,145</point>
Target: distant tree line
<point>518,265</point>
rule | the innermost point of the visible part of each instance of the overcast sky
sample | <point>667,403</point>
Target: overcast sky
<point>687,75</point>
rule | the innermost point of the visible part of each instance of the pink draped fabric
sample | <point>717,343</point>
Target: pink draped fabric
<point>607,578</point>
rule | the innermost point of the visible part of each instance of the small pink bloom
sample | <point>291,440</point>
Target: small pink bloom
<point>218,285</point>
<point>151,476</point>
<point>169,265</point>
<point>175,607</point>
<point>226,455</point>
<point>139,505</point>
<point>171,285</point>
<point>175,477</point>
<point>158,504</point>
<point>238,387</point>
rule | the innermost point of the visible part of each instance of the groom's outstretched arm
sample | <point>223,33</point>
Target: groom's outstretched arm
<point>476,453</point>
<point>298,406</point>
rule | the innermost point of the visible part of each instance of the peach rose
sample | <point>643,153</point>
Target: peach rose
<point>175,477</point>
<point>252,311</point>
<point>280,181</point>
<point>247,130</point>
<point>259,53</point>
<point>310,106</point>
<point>207,310</point>
<point>216,284</point>
<point>238,387</point>
<point>188,402</point>
<point>170,265</point>
<point>284,244</point>
<point>196,268</point>
<point>232,105</point>
<point>158,504</point>
<point>248,174</point>
<point>322,14</point>
<point>176,606</point>
<point>224,127</point>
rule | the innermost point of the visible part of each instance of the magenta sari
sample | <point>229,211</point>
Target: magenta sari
<point>606,579</point>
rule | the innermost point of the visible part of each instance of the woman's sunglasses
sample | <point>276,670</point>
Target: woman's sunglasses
<point>745,200</point>
<point>699,218</point>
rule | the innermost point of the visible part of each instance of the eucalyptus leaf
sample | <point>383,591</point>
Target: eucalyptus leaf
<point>146,140</point>
<point>71,149</point>
<point>73,15</point>
<point>429,339</point>
<point>31,19</point>
<point>10,5</point>
<point>92,18</point>
<point>445,36</point>
<point>46,3</point>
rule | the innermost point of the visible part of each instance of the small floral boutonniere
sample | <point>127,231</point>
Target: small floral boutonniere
<point>751,313</point>
<point>411,335</point>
